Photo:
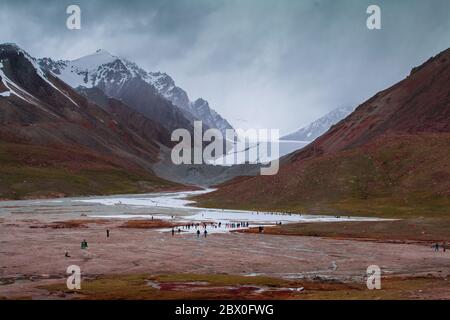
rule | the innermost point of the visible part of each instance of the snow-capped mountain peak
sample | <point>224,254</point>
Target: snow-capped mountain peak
<point>320,126</point>
<point>94,60</point>
<point>11,49</point>
<point>104,70</point>
<point>87,71</point>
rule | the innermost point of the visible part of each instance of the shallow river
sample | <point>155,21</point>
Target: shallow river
<point>172,206</point>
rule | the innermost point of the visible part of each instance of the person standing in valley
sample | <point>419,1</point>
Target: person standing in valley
<point>436,247</point>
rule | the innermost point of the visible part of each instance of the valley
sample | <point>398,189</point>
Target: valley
<point>86,179</point>
<point>142,259</point>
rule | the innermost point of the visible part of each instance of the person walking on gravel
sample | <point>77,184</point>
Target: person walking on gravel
<point>436,247</point>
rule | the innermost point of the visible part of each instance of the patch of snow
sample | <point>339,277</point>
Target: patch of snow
<point>208,219</point>
<point>133,216</point>
<point>93,61</point>
<point>10,86</point>
<point>44,77</point>
<point>40,74</point>
<point>80,72</point>
<point>165,200</point>
<point>240,154</point>
<point>22,94</point>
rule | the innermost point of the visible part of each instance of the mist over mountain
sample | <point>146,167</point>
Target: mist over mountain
<point>118,76</point>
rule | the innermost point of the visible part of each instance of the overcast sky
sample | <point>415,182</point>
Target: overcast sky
<point>260,63</point>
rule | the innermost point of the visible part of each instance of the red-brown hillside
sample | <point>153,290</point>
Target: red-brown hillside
<point>54,141</point>
<point>390,156</point>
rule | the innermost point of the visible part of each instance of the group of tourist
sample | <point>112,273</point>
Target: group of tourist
<point>276,213</point>
<point>212,225</point>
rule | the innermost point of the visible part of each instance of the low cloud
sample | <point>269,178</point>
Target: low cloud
<point>273,64</point>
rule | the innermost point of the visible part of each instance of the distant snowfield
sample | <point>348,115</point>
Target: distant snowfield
<point>166,200</point>
<point>228,219</point>
<point>240,155</point>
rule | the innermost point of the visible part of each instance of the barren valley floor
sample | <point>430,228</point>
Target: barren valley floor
<point>141,260</point>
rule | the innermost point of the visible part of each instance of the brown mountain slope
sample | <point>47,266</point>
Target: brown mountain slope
<point>143,126</point>
<point>390,157</point>
<point>53,141</point>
